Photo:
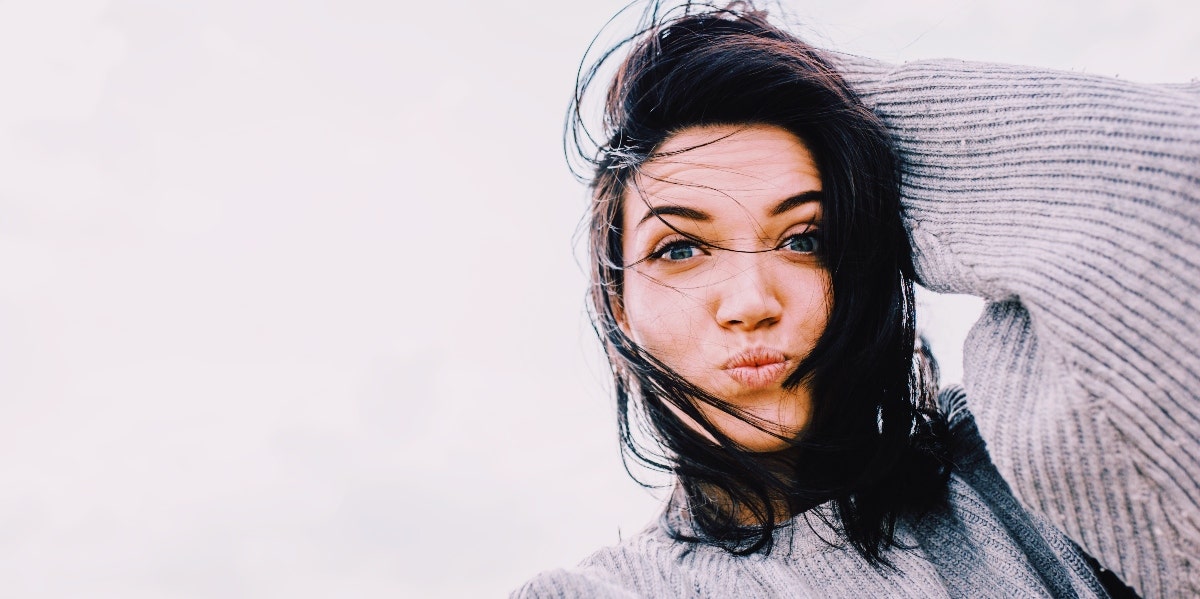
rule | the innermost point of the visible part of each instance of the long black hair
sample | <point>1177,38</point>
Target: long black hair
<point>874,442</point>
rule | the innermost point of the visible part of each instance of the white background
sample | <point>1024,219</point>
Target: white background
<point>289,302</point>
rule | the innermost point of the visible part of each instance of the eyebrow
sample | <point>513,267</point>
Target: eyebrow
<point>672,210</point>
<point>790,203</point>
<point>797,200</point>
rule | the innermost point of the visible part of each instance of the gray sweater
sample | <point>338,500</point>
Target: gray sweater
<point>1071,203</point>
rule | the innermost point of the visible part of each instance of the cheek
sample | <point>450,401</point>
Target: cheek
<point>662,319</point>
<point>815,302</point>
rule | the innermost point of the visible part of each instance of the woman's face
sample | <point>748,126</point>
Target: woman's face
<point>736,313</point>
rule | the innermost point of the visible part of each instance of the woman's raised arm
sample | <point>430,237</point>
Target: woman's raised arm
<point>1071,202</point>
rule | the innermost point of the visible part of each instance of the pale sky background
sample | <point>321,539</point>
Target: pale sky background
<point>288,297</point>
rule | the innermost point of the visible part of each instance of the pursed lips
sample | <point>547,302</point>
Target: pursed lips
<point>758,367</point>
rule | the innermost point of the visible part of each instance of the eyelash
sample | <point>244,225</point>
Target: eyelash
<point>814,234</point>
<point>660,253</point>
<point>668,246</point>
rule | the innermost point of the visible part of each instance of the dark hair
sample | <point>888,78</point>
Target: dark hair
<point>874,443</point>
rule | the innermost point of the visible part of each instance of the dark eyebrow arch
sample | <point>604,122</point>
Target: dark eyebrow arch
<point>693,214</point>
<point>688,213</point>
<point>797,200</point>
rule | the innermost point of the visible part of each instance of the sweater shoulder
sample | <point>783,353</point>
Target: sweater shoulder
<point>577,582</point>
<point>649,564</point>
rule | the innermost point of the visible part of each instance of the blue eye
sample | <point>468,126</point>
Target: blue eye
<point>677,251</point>
<point>803,243</point>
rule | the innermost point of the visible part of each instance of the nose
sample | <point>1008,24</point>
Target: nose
<point>747,299</point>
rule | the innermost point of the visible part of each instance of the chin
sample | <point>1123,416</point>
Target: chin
<point>753,439</point>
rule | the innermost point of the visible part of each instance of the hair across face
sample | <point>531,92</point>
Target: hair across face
<point>752,282</point>
<point>724,282</point>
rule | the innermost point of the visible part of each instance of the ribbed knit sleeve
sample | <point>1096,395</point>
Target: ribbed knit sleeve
<point>571,584</point>
<point>1070,202</point>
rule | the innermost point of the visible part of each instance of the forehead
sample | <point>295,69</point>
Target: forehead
<point>755,166</point>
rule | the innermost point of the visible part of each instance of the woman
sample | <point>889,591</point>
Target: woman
<point>750,242</point>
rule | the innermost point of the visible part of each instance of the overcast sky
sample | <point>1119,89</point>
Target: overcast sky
<point>289,302</point>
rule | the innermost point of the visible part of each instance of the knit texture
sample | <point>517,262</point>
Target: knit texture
<point>1071,203</point>
<point>981,545</point>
